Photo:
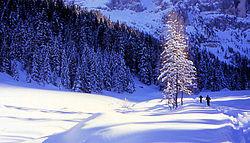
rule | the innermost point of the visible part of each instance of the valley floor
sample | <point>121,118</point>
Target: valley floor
<point>31,115</point>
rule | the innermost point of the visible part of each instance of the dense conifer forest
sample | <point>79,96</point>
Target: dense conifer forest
<point>73,48</point>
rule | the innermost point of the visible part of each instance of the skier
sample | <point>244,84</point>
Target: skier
<point>200,98</point>
<point>208,100</point>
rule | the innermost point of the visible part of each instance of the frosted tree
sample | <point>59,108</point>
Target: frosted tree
<point>36,64</point>
<point>46,72</point>
<point>92,66</point>
<point>122,78</point>
<point>56,54</point>
<point>65,79</point>
<point>86,75</point>
<point>78,81</point>
<point>106,69</point>
<point>177,73</point>
<point>5,62</point>
<point>145,67</point>
<point>14,70</point>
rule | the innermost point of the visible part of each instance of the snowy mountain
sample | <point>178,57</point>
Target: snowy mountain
<point>221,27</point>
<point>82,50</point>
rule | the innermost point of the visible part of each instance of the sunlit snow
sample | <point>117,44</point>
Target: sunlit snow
<point>32,115</point>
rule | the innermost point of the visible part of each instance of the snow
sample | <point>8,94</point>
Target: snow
<point>36,115</point>
<point>148,20</point>
<point>149,4</point>
<point>221,42</point>
<point>91,3</point>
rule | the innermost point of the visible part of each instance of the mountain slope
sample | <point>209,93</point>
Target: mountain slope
<point>73,48</point>
<point>144,15</point>
<point>76,49</point>
<point>213,22</point>
<point>218,33</point>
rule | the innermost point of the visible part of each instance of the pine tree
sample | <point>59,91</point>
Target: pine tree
<point>91,62</point>
<point>5,65</point>
<point>106,69</point>
<point>99,73</point>
<point>122,79</point>
<point>145,67</point>
<point>86,75</point>
<point>56,54</point>
<point>14,70</point>
<point>65,79</point>
<point>84,70</point>
<point>118,72</point>
<point>78,85</point>
<point>72,59</point>
<point>35,71</point>
<point>47,72</point>
<point>177,71</point>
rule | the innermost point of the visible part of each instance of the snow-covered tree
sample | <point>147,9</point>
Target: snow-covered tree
<point>145,67</point>
<point>177,72</point>
<point>14,70</point>
<point>53,42</point>
<point>122,79</point>
<point>86,75</point>
<point>78,81</point>
<point>107,81</point>
<point>92,66</point>
<point>5,63</point>
<point>47,73</point>
<point>56,54</point>
<point>65,79</point>
<point>36,66</point>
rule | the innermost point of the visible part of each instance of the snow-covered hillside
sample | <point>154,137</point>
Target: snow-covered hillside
<point>213,23</point>
<point>31,115</point>
<point>223,35</point>
<point>144,15</point>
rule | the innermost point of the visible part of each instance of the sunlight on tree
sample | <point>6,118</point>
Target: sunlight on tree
<point>177,73</point>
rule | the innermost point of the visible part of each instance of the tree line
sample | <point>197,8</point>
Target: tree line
<point>73,48</point>
<point>215,75</point>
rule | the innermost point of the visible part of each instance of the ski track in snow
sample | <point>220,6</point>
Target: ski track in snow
<point>45,116</point>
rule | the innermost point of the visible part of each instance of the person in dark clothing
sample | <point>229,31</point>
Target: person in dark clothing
<point>200,98</point>
<point>208,100</point>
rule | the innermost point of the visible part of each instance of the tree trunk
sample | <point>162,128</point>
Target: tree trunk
<point>181,98</point>
<point>176,100</point>
<point>177,91</point>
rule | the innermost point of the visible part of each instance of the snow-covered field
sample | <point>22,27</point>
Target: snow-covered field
<point>33,115</point>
